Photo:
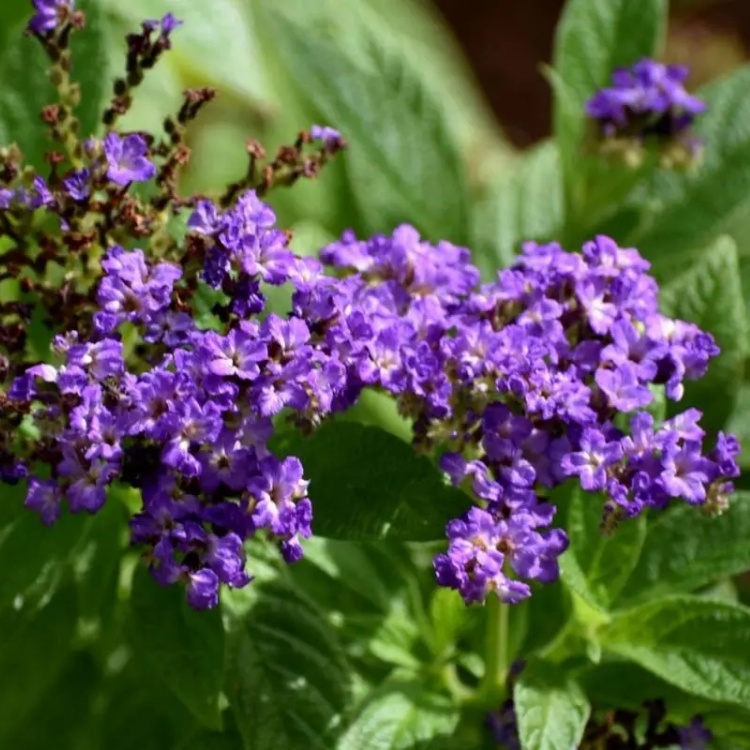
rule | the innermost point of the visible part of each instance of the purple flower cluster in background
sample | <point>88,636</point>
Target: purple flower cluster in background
<point>647,101</point>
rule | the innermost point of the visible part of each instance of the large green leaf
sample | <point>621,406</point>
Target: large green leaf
<point>34,649</point>
<point>524,203</point>
<point>710,295</point>
<point>593,38</point>
<point>26,88</point>
<point>685,212</point>
<point>551,709</point>
<point>403,162</point>
<point>288,682</point>
<point>402,715</point>
<point>35,557</point>
<point>685,550</point>
<point>700,645</point>
<point>183,647</point>
<point>366,484</point>
<point>67,706</point>
<point>138,711</point>
<point>597,565</point>
<point>97,562</point>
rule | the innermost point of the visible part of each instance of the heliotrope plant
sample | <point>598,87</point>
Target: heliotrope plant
<point>550,412</point>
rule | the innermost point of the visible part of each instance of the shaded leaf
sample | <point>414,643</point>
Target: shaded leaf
<point>33,652</point>
<point>366,484</point>
<point>183,647</point>
<point>702,646</point>
<point>685,550</point>
<point>596,565</point>
<point>288,682</point>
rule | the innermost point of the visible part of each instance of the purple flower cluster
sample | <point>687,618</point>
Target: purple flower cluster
<point>517,384</point>
<point>188,424</point>
<point>646,101</point>
<point>115,161</point>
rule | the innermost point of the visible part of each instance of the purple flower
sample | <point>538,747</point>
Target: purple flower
<point>592,459</point>
<point>685,471</point>
<point>277,492</point>
<point>503,725</point>
<point>205,218</point>
<point>76,184</point>
<point>127,159</point>
<point>696,736</point>
<point>226,558</point>
<point>203,589</point>
<point>44,497</point>
<point>323,133</point>
<point>647,101</point>
<point>169,23</point>
<point>48,14</point>
<point>622,389</point>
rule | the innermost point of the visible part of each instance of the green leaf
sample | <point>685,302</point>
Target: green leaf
<point>593,38</point>
<point>739,422</point>
<point>356,567</point>
<point>183,647</point>
<point>684,550</point>
<point>288,682</point>
<point>687,211</point>
<point>35,557</point>
<point>26,88</point>
<point>138,711</point>
<point>450,618</point>
<point>403,163</point>
<point>33,652</point>
<point>525,203</point>
<point>597,566</point>
<point>97,562</point>
<point>402,715</point>
<point>67,707</point>
<point>210,741</point>
<point>709,294</point>
<point>700,645</point>
<point>366,484</point>
<point>552,711</point>
<point>397,638</point>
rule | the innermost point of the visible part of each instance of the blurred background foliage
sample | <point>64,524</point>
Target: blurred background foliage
<point>445,105</point>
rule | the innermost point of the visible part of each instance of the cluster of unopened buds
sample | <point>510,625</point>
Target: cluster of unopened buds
<point>545,374</point>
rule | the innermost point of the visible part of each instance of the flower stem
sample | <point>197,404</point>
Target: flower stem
<point>492,687</point>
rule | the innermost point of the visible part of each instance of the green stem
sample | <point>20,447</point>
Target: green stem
<point>492,688</point>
